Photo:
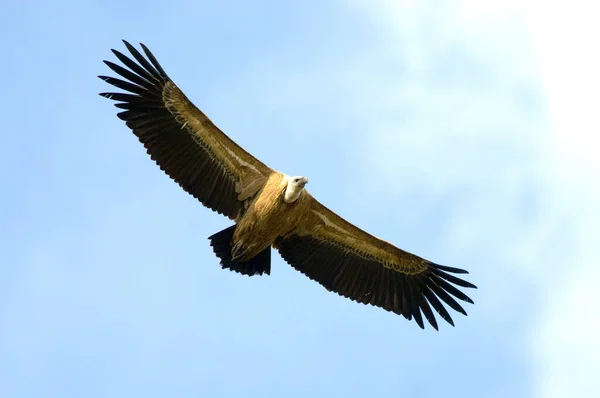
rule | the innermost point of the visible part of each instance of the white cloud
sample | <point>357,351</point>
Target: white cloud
<point>456,135</point>
<point>565,38</point>
<point>465,123</point>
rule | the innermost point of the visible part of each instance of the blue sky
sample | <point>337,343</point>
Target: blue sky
<point>469,126</point>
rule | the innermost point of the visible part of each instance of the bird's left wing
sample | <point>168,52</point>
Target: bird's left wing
<point>181,139</point>
<point>359,266</point>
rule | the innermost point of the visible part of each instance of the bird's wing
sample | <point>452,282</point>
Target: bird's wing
<point>359,266</point>
<point>181,139</point>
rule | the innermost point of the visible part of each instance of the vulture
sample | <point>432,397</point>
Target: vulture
<point>272,209</point>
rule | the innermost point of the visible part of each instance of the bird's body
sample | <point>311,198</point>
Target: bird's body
<point>271,209</point>
<point>268,217</point>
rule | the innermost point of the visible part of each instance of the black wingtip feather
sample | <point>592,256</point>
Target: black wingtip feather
<point>449,269</point>
<point>454,291</point>
<point>453,279</point>
<point>142,61</point>
<point>135,67</point>
<point>437,305</point>
<point>154,61</point>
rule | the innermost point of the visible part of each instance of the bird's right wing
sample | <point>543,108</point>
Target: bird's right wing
<point>181,139</point>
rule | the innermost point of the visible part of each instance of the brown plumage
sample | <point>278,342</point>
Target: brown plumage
<point>271,209</point>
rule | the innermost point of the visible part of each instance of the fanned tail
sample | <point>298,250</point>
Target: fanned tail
<point>221,244</point>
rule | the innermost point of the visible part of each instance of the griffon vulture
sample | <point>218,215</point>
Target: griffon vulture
<point>271,209</point>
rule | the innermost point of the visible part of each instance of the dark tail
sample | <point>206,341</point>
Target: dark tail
<point>221,243</point>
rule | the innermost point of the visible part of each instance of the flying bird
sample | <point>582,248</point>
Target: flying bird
<point>272,209</point>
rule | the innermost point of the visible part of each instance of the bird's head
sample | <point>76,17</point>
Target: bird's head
<point>300,181</point>
<point>295,186</point>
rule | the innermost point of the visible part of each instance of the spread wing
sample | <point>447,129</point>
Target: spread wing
<point>181,139</point>
<point>359,266</point>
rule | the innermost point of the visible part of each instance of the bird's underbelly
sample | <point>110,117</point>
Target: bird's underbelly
<point>258,230</point>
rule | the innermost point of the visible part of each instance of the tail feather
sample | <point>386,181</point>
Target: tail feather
<point>221,244</point>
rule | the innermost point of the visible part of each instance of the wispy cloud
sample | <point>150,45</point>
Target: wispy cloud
<point>565,38</point>
<point>512,141</point>
<point>469,124</point>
